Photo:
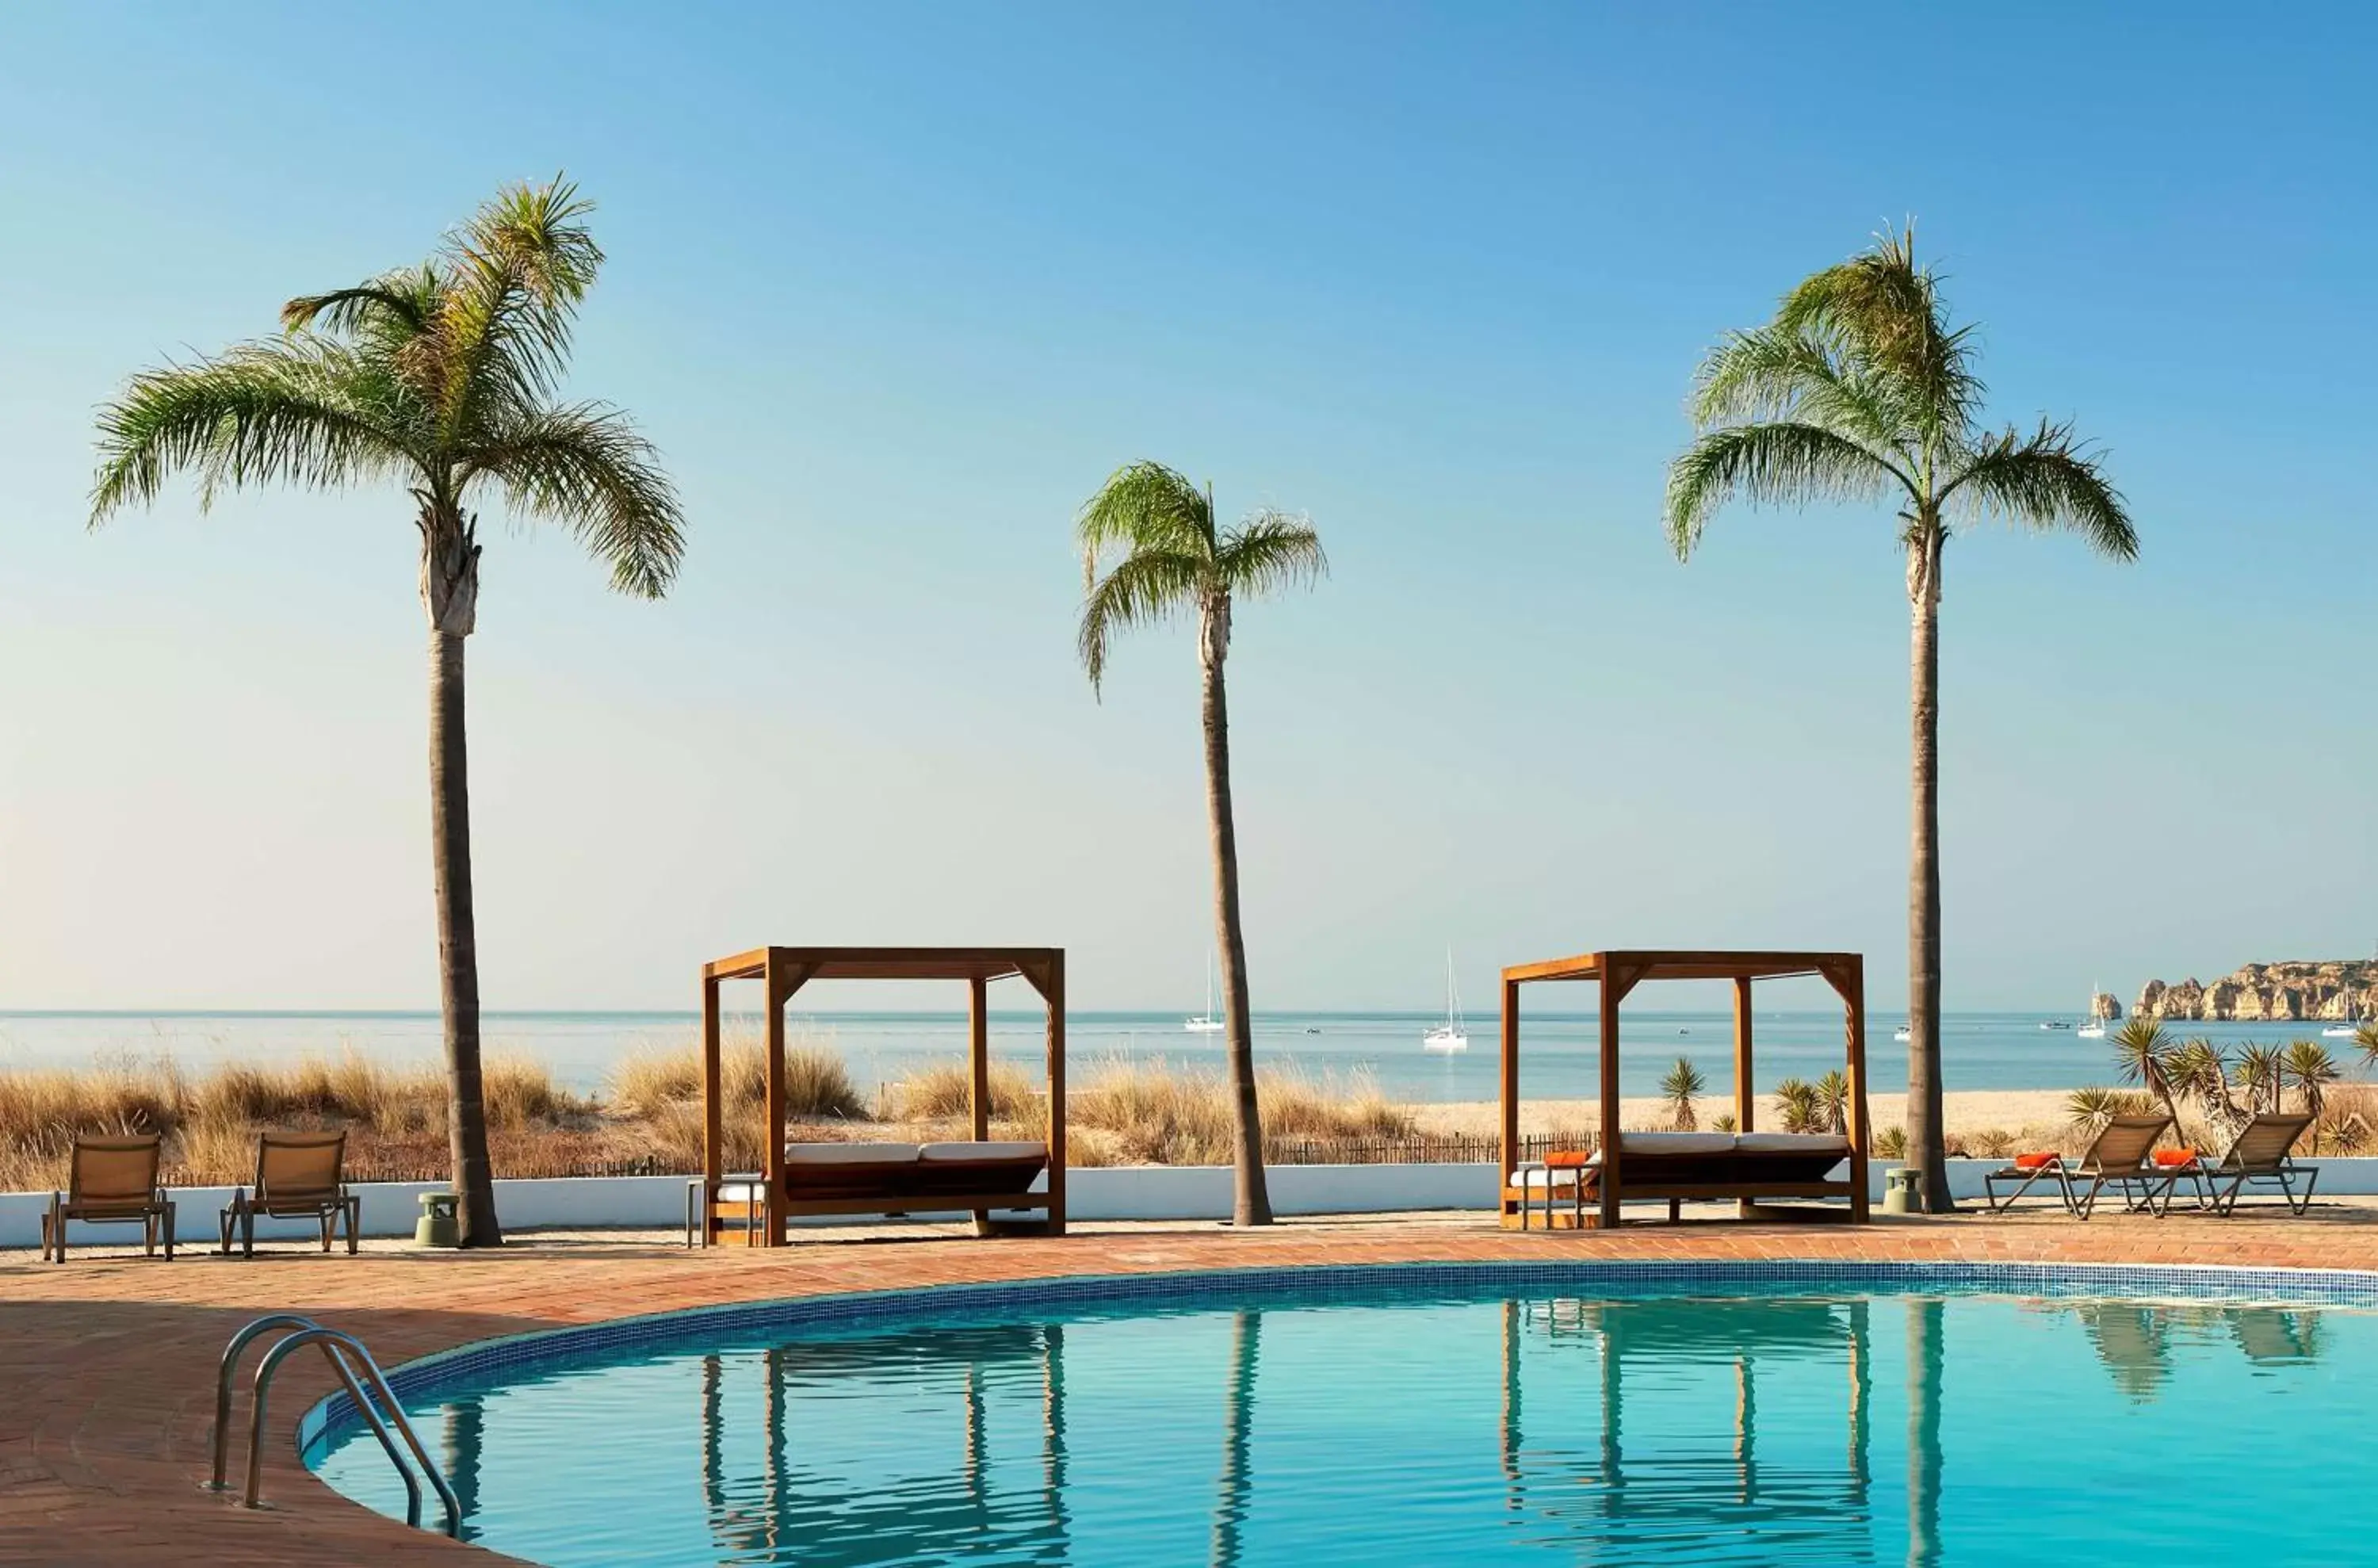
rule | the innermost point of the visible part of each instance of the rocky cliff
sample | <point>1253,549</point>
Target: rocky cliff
<point>2282,992</point>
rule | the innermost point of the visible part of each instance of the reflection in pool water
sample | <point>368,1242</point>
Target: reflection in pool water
<point>1772,1429</point>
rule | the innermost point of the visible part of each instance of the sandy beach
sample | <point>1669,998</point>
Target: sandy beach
<point>1970,1112</point>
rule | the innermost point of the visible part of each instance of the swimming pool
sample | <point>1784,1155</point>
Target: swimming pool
<point>1427,1414</point>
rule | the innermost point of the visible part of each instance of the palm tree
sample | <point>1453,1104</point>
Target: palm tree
<point>1170,557</point>
<point>1859,391</point>
<point>444,378</point>
<point>1682,1083</point>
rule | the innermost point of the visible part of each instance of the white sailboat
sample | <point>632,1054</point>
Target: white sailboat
<point>1453,1034</point>
<point>2091,1026</point>
<point>1209,1021</point>
<point>2349,1028</point>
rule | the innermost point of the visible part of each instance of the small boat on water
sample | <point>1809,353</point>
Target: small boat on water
<point>2091,1026</point>
<point>1207,1022</point>
<point>1453,1034</point>
<point>2349,1029</point>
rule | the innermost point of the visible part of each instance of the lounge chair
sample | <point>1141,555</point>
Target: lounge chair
<point>1683,1166</point>
<point>2118,1157</point>
<point>2259,1155</point>
<point>111,1181</point>
<point>298,1176</point>
<point>882,1178</point>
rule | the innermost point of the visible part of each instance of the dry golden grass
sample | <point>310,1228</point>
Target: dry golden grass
<point>816,1083</point>
<point>650,1116</point>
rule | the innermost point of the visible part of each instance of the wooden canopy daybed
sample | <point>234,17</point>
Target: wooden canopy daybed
<point>976,1175</point>
<point>1751,1167</point>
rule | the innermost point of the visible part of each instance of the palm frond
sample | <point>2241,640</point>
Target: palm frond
<point>1144,505</point>
<point>1773,373</point>
<point>2043,481</point>
<point>1772,463</point>
<point>406,301</point>
<point>1886,312</point>
<point>1269,551</point>
<point>512,280</point>
<point>305,412</point>
<point>1149,585</point>
<point>586,467</point>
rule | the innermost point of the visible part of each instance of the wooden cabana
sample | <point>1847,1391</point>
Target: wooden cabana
<point>888,1178</point>
<point>1750,1167</point>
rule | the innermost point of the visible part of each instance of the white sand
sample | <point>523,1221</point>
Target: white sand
<point>1968,1111</point>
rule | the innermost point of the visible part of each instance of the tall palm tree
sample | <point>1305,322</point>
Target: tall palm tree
<point>446,379</point>
<point>1858,390</point>
<point>1170,557</point>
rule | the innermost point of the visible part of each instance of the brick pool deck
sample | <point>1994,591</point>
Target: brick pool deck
<point>107,1364</point>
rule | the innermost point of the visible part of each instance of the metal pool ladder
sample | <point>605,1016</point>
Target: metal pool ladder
<point>358,1372</point>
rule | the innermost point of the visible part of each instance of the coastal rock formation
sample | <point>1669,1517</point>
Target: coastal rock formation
<point>2102,1008</point>
<point>2289,991</point>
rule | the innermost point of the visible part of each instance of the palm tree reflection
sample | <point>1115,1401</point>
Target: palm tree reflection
<point>1238,1423</point>
<point>1925,1363</point>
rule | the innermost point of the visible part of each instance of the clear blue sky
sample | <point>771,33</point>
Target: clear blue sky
<point>895,286</point>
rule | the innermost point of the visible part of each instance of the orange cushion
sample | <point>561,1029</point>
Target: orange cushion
<point>1568,1159</point>
<point>2034,1161</point>
<point>2167,1158</point>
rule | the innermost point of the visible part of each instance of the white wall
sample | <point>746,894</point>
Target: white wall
<point>1123,1192</point>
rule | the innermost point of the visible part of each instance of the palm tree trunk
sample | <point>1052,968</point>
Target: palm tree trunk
<point>1250,1203</point>
<point>450,592</point>
<point>457,949</point>
<point>1927,1137</point>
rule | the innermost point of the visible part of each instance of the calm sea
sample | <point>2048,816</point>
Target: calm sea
<point>1981,1050</point>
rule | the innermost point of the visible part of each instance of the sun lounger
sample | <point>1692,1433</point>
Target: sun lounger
<point>298,1176</point>
<point>2260,1155</point>
<point>2120,1156</point>
<point>886,1178</point>
<point>1687,1165</point>
<point>111,1181</point>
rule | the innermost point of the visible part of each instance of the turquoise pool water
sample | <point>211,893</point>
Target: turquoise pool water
<point>1421,1421</point>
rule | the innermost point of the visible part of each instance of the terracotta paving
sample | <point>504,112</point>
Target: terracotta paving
<point>107,1364</point>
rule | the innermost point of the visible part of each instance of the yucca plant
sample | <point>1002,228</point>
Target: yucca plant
<point>1166,555</point>
<point>2261,1071</point>
<point>1859,391</point>
<point>1891,1143</point>
<point>2199,1069</point>
<point>2365,1041</point>
<point>2312,1069</point>
<point>1801,1106</point>
<point>444,378</point>
<point>1833,1101</point>
<point>2092,1107</point>
<point>1683,1082</point>
<point>2142,1050</point>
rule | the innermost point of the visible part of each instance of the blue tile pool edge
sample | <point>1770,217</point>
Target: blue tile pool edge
<point>333,1417</point>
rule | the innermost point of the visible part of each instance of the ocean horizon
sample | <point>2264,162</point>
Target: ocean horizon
<point>1981,1051</point>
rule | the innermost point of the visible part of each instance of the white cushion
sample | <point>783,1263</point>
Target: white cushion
<point>984,1150</point>
<point>1792,1143</point>
<point>1564,1176</point>
<point>850,1153</point>
<point>745,1191</point>
<point>1674,1142</point>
